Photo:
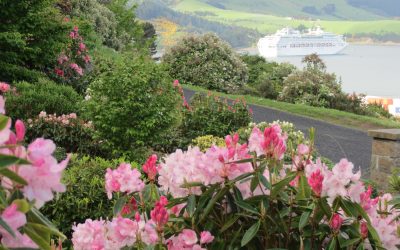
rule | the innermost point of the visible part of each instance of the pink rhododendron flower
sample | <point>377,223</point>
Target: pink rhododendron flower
<point>189,237</point>
<point>123,179</point>
<point>59,72</point>
<point>82,46</point>
<point>4,87</point>
<point>19,130</point>
<point>77,69</point>
<point>336,222</point>
<point>122,232</point>
<point>15,219</point>
<point>206,237</point>
<point>150,167</point>
<point>43,176</point>
<point>86,58</point>
<point>315,181</point>
<point>270,143</point>
<point>160,214</point>
<point>364,229</point>
<point>89,235</point>
<point>303,149</point>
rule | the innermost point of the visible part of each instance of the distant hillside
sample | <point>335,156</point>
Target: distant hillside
<point>321,9</point>
<point>252,14</point>
<point>235,35</point>
<point>380,7</point>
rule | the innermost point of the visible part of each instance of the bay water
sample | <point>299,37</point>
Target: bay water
<point>369,69</point>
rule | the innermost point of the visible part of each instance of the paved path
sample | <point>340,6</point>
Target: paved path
<point>334,142</point>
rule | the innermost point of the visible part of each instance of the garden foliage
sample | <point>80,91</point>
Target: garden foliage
<point>131,104</point>
<point>211,115</point>
<point>68,131</point>
<point>29,99</point>
<point>208,62</point>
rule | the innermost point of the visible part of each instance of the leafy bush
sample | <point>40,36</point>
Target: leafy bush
<point>131,104</point>
<point>33,41</point>
<point>270,84</point>
<point>257,66</point>
<point>209,115</point>
<point>30,99</point>
<point>69,132</point>
<point>206,61</point>
<point>206,141</point>
<point>84,197</point>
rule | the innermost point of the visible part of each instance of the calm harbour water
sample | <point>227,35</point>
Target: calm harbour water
<point>368,69</point>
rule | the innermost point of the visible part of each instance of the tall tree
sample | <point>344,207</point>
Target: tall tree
<point>32,34</point>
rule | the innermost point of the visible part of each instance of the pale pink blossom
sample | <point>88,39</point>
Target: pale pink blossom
<point>271,143</point>
<point>123,179</point>
<point>89,235</point>
<point>206,237</point>
<point>5,132</point>
<point>77,69</point>
<point>189,237</point>
<point>15,219</point>
<point>122,232</point>
<point>303,149</point>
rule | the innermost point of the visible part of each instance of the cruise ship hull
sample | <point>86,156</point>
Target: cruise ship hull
<point>283,44</point>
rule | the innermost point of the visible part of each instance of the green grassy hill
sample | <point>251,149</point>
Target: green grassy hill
<point>237,12</point>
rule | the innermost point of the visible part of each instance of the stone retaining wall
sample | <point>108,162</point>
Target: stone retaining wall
<point>385,155</point>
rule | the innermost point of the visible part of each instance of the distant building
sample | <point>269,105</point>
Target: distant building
<point>392,105</point>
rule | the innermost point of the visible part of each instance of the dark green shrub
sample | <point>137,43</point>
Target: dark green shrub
<point>206,61</point>
<point>44,95</point>
<point>209,115</point>
<point>85,196</point>
<point>32,34</point>
<point>257,66</point>
<point>132,103</point>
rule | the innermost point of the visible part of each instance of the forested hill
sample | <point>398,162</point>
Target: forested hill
<point>323,9</point>
<point>235,35</point>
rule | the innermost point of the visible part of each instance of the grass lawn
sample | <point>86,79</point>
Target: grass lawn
<point>269,23</point>
<point>328,115</point>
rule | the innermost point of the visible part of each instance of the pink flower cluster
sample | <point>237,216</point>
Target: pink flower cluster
<point>64,120</point>
<point>160,214</point>
<point>123,179</point>
<point>42,175</point>
<point>115,234</point>
<point>271,143</point>
<point>187,239</point>
<point>216,165</point>
<point>342,182</point>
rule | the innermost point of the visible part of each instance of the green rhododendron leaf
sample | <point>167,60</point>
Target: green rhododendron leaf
<point>250,233</point>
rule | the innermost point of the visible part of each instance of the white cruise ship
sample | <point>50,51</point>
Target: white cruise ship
<point>290,42</point>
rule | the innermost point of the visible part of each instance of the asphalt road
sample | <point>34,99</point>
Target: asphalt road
<point>332,141</point>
